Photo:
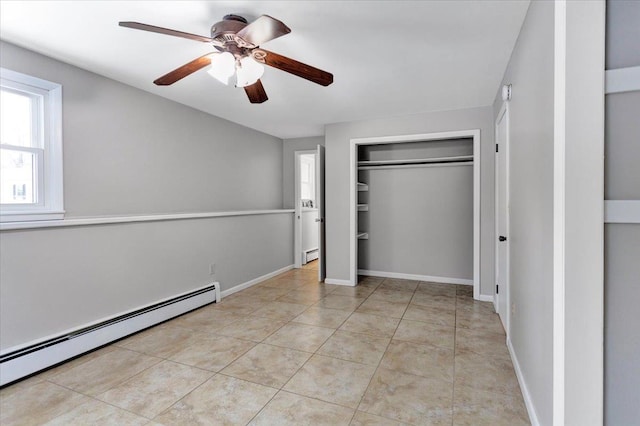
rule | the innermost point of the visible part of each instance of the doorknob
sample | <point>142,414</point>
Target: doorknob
<point>319,219</point>
<point>502,238</point>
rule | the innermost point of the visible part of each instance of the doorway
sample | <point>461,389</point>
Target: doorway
<point>501,298</point>
<point>309,210</point>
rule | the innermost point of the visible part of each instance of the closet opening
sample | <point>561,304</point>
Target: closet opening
<point>415,207</point>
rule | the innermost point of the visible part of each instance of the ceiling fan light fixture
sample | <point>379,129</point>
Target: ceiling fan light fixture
<point>223,66</point>
<point>248,71</point>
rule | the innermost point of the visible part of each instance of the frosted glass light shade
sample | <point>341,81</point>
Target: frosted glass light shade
<point>223,66</point>
<point>248,71</point>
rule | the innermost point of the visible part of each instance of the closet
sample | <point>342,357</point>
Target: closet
<point>415,210</point>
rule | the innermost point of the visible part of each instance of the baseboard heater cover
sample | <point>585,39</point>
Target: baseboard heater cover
<point>311,254</point>
<point>20,363</point>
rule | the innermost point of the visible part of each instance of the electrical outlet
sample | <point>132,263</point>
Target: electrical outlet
<point>513,309</point>
<point>212,269</point>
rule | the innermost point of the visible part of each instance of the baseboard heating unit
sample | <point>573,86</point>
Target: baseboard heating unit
<point>309,255</point>
<point>20,362</point>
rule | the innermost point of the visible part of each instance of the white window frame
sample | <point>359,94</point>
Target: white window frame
<point>49,185</point>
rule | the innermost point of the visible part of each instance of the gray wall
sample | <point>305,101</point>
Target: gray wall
<point>622,241</point>
<point>60,278</point>
<point>622,147</point>
<point>531,72</point>
<point>289,147</point>
<point>129,152</point>
<point>337,178</point>
<point>623,34</point>
<point>420,221</point>
<point>622,317</point>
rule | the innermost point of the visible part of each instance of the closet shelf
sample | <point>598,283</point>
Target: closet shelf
<point>363,235</point>
<point>363,207</point>
<point>454,159</point>
<point>363,186</point>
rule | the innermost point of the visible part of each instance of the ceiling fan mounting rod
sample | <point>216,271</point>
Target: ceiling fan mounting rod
<point>232,17</point>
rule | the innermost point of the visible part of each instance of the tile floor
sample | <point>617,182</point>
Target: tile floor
<point>292,351</point>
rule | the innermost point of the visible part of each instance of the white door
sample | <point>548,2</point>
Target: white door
<point>320,205</point>
<point>502,217</point>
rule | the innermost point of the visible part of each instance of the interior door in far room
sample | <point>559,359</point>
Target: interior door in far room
<point>501,300</point>
<point>320,205</point>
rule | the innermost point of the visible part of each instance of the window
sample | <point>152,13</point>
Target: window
<point>30,148</point>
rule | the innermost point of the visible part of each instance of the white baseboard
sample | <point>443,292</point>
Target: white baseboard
<point>533,417</point>
<point>415,277</point>
<point>485,298</point>
<point>62,347</point>
<point>237,288</point>
<point>337,282</point>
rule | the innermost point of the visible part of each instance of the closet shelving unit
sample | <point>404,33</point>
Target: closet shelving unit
<point>418,161</point>
<point>362,187</point>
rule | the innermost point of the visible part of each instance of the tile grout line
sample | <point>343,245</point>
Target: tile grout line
<point>455,342</point>
<point>355,412</point>
<point>184,396</point>
<point>92,397</point>
<point>379,362</point>
<point>281,389</point>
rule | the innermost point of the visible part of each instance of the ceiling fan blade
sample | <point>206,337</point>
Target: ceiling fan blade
<point>256,93</point>
<point>293,67</point>
<point>262,30</point>
<point>154,29</point>
<point>183,71</point>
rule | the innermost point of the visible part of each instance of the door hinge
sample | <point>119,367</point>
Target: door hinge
<point>496,147</point>
<point>497,291</point>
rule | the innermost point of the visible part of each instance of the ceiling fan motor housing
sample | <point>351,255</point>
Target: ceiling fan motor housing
<point>225,30</point>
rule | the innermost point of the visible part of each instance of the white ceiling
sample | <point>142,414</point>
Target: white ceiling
<point>388,58</point>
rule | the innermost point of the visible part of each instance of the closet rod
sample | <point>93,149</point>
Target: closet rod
<point>413,166</point>
<point>450,159</point>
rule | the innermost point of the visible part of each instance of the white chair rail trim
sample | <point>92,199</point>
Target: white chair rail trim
<point>104,220</point>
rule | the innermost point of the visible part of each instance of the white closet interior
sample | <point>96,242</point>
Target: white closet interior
<point>415,210</point>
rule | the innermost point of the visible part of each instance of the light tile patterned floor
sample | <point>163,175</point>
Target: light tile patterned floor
<point>292,351</point>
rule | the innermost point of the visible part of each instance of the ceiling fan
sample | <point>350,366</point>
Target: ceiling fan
<point>238,53</point>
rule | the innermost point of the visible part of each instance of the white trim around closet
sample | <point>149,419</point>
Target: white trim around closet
<point>353,192</point>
